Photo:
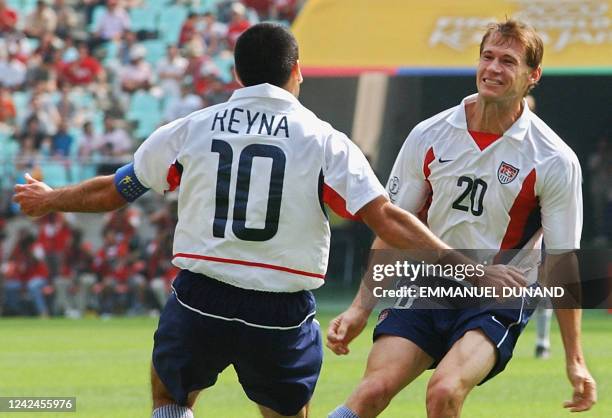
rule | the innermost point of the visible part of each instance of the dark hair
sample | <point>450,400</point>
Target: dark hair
<point>265,53</point>
<point>524,34</point>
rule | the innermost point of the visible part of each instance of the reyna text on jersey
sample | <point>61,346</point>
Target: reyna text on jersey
<point>257,123</point>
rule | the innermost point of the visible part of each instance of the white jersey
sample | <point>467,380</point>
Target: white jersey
<point>253,172</point>
<point>487,193</point>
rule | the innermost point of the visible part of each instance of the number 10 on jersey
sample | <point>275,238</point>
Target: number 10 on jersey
<point>243,181</point>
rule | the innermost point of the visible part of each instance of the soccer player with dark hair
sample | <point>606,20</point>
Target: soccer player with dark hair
<point>252,237</point>
<point>488,174</point>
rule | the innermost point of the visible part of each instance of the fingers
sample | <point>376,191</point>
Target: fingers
<point>585,396</point>
<point>335,337</point>
<point>517,275</point>
<point>332,330</point>
<point>30,179</point>
<point>338,348</point>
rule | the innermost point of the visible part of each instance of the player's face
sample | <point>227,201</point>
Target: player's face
<point>502,72</point>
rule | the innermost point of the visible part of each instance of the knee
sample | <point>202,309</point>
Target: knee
<point>375,393</point>
<point>444,397</point>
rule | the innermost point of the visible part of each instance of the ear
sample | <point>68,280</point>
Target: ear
<point>296,71</point>
<point>535,75</point>
<point>236,77</point>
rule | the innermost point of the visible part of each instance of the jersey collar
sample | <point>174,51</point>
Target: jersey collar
<point>264,91</point>
<point>517,131</point>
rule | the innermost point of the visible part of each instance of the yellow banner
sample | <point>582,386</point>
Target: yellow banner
<point>446,33</point>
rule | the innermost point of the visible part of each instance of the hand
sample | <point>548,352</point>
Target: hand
<point>585,388</point>
<point>500,276</point>
<point>32,197</point>
<point>344,328</point>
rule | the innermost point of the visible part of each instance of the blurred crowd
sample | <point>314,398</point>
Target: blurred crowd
<point>82,83</point>
<point>52,270</point>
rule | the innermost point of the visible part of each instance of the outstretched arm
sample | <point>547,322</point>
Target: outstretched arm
<point>562,269</point>
<point>98,194</point>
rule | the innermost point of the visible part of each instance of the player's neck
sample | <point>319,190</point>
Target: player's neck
<point>492,117</point>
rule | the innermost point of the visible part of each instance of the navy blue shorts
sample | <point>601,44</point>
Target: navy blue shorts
<point>436,330</point>
<point>271,339</point>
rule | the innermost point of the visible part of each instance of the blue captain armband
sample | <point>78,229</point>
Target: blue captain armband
<point>127,183</point>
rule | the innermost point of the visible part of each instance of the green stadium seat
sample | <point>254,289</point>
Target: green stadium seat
<point>158,5</point>
<point>82,99</point>
<point>55,173</point>
<point>76,134</point>
<point>224,63</point>
<point>80,171</point>
<point>141,103</point>
<point>143,18</point>
<point>21,100</point>
<point>170,23</point>
<point>96,16</point>
<point>156,49</point>
<point>145,110</point>
<point>27,6</point>
<point>146,124</point>
<point>206,6</point>
<point>8,149</point>
<point>111,52</point>
<point>32,43</point>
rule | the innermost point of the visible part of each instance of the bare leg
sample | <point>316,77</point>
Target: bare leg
<point>468,361</point>
<point>393,363</point>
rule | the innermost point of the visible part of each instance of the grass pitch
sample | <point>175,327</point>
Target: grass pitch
<point>105,365</point>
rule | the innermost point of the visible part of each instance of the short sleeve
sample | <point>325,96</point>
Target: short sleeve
<point>561,205</point>
<point>347,172</point>
<point>157,154</point>
<point>407,185</point>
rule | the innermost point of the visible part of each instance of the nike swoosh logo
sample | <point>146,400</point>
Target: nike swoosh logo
<point>440,160</point>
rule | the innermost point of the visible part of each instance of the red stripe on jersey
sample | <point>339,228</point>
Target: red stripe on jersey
<point>250,264</point>
<point>524,204</point>
<point>174,176</point>
<point>484,139</point>
<point>337,203</point>
<point>429,157</point>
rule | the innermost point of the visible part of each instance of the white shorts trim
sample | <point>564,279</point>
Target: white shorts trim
<point>512,324</point>
<point>250,324</point>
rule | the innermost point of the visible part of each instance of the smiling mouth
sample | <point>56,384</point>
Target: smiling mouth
<point>491,82</point>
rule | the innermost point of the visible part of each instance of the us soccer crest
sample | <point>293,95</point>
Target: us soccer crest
<point>506,173</point>
<point>382,316</point>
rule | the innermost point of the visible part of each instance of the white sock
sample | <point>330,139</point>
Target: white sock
<point>342,412</point>
<point>172,411</point>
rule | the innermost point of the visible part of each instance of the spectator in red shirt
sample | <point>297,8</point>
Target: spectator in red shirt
<point>238,24</point>
<point>8,18</point>
<point>7,107</point>
<point>262,7</point>
<point>54,235</point>
<point>188,29</point>
<point>27,275</point>
<point>85,70</point>
<point>75,278</point>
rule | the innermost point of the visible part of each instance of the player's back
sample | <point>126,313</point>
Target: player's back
<point>251,177</point>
